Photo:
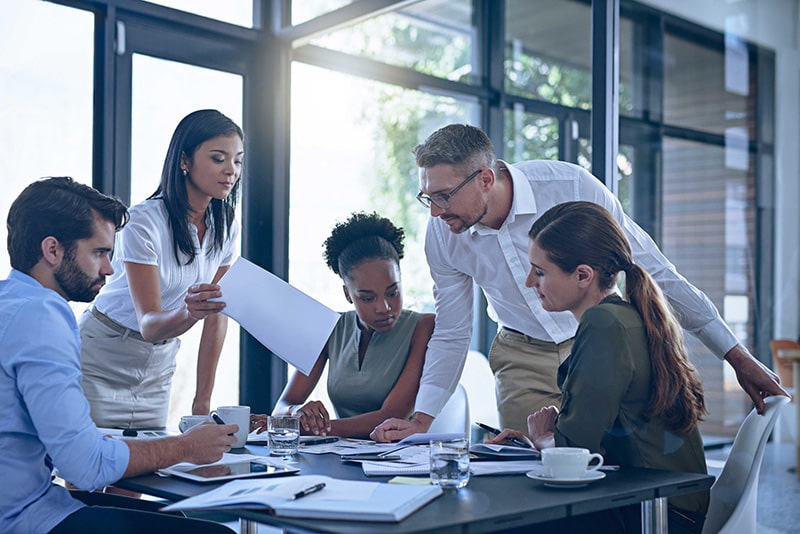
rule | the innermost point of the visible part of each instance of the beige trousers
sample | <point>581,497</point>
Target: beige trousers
<point>525,375</point>
<point>126,381</point>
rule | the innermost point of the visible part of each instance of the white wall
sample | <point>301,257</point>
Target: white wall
<point>774,24</point>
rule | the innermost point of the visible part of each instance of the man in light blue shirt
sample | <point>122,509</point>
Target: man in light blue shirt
<point>60,236</point>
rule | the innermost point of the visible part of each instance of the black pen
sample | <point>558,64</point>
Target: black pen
<point>515,441</point>
<point>217,419</point>
<point>319,441</point>
<point>309,491</point>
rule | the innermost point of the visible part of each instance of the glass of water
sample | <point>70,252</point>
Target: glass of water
<point>450,463</point>
<point>283,432</point>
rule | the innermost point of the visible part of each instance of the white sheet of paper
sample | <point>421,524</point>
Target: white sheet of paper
<point>294,326</point>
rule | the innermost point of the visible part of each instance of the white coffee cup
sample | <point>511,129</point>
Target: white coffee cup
<point>236,415</point>
<point>188,421</point>
<point>569,462</point>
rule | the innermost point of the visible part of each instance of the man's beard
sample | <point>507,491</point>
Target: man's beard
<point>466,224</point>
<point>75,284</point>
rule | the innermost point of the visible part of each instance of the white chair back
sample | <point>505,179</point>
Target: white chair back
<point>734,494</point>
<point>478,379</point>
<point>454,417</point>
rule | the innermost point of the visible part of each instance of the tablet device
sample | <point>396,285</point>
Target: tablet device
<point>221,472</point>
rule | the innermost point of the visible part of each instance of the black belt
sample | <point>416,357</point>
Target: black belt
<point>125,331</point>
<point>514,331</point>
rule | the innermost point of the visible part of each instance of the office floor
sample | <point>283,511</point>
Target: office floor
<point>778,490</point>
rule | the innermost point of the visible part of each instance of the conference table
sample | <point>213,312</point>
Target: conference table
<point>489,503</point>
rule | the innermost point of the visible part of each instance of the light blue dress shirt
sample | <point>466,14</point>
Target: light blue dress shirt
<point>46,420</point>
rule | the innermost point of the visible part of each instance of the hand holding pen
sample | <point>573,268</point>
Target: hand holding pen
<point>516,441</point>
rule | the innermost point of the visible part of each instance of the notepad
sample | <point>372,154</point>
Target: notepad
<point>504,452</point>
<point>340,499</point>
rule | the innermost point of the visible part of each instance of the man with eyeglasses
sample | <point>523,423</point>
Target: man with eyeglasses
<point>481,211</point>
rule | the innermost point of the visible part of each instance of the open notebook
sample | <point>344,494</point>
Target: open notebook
<point>339,499</point>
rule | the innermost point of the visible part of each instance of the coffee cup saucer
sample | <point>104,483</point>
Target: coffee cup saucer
<point>584,480</point>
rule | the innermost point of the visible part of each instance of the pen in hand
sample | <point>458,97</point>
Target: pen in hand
<point>516,441</point>
<point>308,491</point>
<point>217,419</point>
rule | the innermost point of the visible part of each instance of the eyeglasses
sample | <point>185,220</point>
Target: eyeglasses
<point>442,200</point>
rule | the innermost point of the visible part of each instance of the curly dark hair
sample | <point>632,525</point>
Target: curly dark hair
<point>363,236</point>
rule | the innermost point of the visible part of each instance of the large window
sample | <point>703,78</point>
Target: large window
<point>46,104</point>
<point>334,95</point>
<point>694,88</point>
<point>358,159</point>
<point>433,37</point>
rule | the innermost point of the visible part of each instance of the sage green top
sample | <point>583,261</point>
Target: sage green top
<point>355,389</point>
<point>606,383</point>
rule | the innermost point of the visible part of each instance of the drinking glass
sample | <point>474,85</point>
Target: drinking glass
<point>283,432</point>
<point>450,463</point>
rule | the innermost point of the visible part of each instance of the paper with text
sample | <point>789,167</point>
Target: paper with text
<point>294,326</point>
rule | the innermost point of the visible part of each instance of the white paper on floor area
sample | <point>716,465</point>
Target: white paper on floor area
<point>294,326</point>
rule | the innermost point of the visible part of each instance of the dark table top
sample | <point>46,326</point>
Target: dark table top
<point>486,504</point>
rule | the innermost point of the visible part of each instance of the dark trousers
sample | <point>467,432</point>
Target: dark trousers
<point>115,513</point>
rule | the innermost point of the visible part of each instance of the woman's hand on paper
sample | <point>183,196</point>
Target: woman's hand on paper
<point>506,435</point>
<point>395,429</point>
<point>197,304</point>
<point>314,419</point>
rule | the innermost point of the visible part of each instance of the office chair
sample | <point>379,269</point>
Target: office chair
<point>735,493</point>
<point>454,417</point>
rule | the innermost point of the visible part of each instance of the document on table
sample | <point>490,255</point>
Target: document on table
<point>294,326</point>
<point>415,461</point>
<point>332,498</point>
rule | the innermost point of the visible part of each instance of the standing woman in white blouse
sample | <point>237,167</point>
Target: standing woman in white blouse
<point>167,262</point>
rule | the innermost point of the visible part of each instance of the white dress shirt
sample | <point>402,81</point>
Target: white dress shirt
<point>147,239</point>
<point>497,261</point>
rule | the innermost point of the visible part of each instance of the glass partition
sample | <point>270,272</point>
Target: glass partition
<point>709,234</point>
<point>548,51</point>
<point>46,105</point>
<point>435,37</point>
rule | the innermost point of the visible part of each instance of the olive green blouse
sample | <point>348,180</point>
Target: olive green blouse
<point>606,383</point>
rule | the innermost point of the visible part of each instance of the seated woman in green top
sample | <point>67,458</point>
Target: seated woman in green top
<point>375,352</point>
<point>628,389</point>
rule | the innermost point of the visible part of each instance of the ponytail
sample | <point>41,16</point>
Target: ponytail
<point>678,395</point>
<point>575,233</point>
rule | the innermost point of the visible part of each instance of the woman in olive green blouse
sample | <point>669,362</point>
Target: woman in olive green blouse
<point>628,389</point>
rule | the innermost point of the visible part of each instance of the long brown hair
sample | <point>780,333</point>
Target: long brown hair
<point>576,233</point>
